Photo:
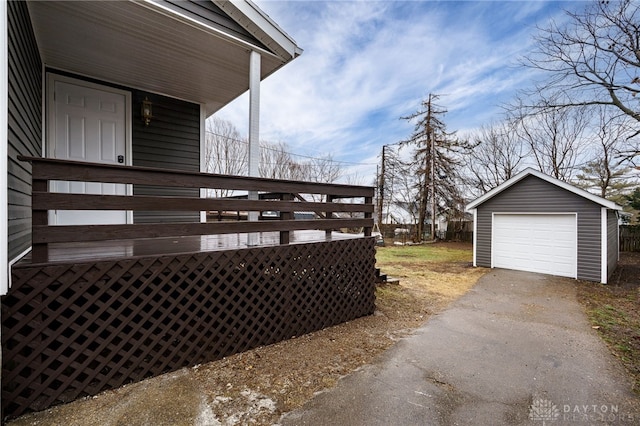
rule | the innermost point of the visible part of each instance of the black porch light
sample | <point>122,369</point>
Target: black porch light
<point>147,112</point>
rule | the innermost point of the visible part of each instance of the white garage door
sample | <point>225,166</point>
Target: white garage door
<point>544,243</point>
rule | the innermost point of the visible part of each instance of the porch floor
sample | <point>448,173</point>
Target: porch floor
<point>117,249</point>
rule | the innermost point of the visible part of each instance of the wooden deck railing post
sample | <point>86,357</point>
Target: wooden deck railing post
<point>329,215</point>
<point>367,215</point>
<point>39,251</point>
<point>284,235</point>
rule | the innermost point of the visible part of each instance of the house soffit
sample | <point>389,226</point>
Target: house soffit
<point>148,46</point>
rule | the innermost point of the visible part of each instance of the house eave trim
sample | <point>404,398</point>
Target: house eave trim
<point>263,27</point>
<point>160,8</point>
<point>531,172</point>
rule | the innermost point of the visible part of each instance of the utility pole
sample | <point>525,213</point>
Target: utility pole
<point>381,188</point>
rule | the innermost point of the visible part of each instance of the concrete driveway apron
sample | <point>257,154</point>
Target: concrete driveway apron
<point>515,350</point>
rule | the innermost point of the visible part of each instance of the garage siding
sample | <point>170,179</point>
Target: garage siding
<point>534,195</point>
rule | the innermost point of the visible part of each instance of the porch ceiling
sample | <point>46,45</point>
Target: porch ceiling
<point>147,47</point>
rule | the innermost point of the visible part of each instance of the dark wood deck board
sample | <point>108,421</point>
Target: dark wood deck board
<point>117,249</point>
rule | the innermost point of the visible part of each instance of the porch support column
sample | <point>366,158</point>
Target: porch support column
<point>254,134</point>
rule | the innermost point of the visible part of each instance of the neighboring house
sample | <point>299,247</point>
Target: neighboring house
<point>397,213</point>
<point>624,218</point>
<point>110,276</point>
<point>536,223</point>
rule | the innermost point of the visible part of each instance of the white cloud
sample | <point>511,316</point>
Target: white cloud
<point>365,64</point>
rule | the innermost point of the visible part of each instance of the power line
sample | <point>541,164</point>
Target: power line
<point>292,153</point>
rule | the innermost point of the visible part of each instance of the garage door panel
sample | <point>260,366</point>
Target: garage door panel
<point>537,243</point>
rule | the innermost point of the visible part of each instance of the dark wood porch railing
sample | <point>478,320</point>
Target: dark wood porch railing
<point>337,215</point>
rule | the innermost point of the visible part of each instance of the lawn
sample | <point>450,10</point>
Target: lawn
<point>426,253</point>
<point>431,276</point>
<point>614,311</point>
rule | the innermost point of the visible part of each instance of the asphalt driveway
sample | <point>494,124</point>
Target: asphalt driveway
<point>516,350</point>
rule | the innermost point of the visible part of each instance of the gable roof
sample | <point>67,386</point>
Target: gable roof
<point>531,172</point>
<point>261,26</point>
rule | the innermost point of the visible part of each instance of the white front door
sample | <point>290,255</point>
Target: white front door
<point>87,122</point>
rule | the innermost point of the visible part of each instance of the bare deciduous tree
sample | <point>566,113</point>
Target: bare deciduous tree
<point>225,152</point>
<point>554,138</point>
<point>320,169</point>
<point>402,182</point>
<point>277,163</point>
<point>324,169</point>
<point>592,59</point>
<point>606,174</point>
<point>497,157</point>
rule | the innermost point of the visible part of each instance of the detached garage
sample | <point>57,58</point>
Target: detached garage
<point>536,223</point>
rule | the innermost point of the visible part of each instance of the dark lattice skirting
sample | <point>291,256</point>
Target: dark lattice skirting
<point>70,330</point>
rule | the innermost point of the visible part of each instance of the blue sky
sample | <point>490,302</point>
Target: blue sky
<point>367,63</point>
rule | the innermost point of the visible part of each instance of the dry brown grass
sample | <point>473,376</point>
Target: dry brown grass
<point>614,310</point>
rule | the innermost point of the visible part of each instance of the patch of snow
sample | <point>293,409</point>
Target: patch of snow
<point>233,420</point>
<point>258,401</point>
<point>219,399</point>
<point>256,404</point>
<point>206,416</point>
